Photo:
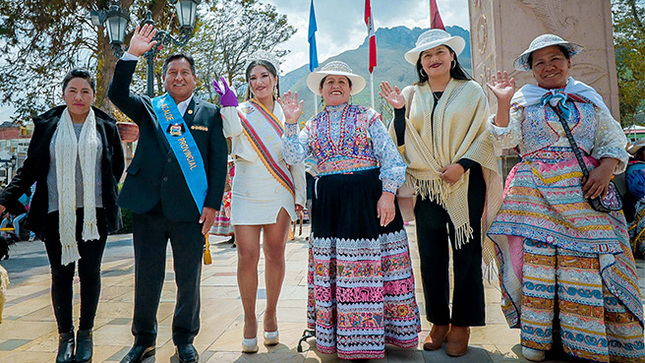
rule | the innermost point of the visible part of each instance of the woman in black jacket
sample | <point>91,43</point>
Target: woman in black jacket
<point>76,160</point>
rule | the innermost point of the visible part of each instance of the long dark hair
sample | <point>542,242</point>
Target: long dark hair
<point>456,70</point>
<point>269,68</point>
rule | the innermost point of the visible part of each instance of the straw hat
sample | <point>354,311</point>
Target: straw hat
<point>633,148</point>
<point>433,38</point>
<point>335,68</point>
<point>521,63</point>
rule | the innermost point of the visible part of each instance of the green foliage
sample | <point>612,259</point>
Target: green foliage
<point>41,40</point>
<point>228,32</point>
<point>126,216</point>
<point>629,40</point>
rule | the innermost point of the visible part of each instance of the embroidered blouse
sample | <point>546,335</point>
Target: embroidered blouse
<point>595,131</point>
<point>343,139</point>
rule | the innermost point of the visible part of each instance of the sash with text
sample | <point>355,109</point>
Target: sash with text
<point>184,147</point>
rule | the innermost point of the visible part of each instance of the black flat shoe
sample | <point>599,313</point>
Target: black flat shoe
<point>138,353</point>
<point>65,348</point>
<point>187,353</point>
<point>84,346</point>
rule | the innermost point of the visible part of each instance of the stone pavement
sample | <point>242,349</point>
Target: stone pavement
<point>28,331</point>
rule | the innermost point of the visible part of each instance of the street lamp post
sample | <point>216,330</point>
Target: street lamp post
<point>117,22</point>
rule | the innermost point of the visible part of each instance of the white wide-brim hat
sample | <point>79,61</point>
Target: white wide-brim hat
<point>335,68</point>
<point>521,63</point>
<point>431,39</point>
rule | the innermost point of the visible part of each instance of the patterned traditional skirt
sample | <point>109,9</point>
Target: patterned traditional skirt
<point>566,286</point>
<point>361,287</point>
<point>556,253</point>
<point>222,225</point>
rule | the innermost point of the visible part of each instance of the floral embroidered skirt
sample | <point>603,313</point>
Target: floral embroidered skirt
<point>562,262</point>
<point>361,287</point>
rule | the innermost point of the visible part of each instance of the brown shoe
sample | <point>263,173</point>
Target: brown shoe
<point>437,336</point>
<point>457,341</point>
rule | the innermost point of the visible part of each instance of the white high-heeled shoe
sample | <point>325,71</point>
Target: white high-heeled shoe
<point>271,337</point>
<point>533,354</point>
<point>250,345</point>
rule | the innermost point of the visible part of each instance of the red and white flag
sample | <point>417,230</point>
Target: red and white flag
<point>435,18</point>
<point>371,34</point>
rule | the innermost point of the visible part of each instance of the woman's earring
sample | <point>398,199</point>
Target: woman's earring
<point>422,73</point>
<point>454,64</point>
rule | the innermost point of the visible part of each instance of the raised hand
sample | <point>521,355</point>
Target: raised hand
<point>502,87</point>
<point>393,96</point>
<point>291,107</point>
<point>227,95</point>
<point>142,40</point>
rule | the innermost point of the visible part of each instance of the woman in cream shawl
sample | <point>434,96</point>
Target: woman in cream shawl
<point>439,126</point>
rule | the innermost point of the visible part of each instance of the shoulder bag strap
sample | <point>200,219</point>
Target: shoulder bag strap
<point>572,141</point>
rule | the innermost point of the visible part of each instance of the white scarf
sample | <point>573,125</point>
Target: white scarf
<point>531,94</point>
<point>68,148</point>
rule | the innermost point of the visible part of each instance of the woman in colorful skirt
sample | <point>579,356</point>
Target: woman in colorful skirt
<point>265,196</point>
<point>361,288</point>
<point>567,272</point>
<point>442,137</point>
<point>635,180</point>
<point>222,225</point>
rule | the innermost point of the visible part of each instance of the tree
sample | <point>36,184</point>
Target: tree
<point>236,30</point>
<point>40,40</point>
<point>629,39</point>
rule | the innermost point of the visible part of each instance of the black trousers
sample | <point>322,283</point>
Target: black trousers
<point>89,272</point>
<point>434,229</point>
<point>151,233</point>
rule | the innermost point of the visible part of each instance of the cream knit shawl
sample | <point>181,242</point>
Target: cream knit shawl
<point>458,131</point>
<point>68,149</point>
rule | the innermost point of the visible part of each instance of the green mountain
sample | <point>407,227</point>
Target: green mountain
<point>391,45</point>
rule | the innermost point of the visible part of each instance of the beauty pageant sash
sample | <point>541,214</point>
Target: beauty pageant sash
<point>264,131</point>
<point>184,147</point>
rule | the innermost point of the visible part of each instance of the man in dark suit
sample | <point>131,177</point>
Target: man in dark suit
<point>157,192</point>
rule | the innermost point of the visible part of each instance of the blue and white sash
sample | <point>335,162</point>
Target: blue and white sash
<point>184,147</point>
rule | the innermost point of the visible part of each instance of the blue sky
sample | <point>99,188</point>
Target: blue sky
<point>341,25</point>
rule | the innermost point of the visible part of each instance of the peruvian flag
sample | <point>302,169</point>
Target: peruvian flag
<point>435,18</point>
<point>370,33</point>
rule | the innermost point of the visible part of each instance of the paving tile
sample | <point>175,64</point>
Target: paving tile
<point>11,344</point>
<point>29,328</point>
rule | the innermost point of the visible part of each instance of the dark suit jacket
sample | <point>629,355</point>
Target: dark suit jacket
<point>154,174</point>
<point>36,167</point>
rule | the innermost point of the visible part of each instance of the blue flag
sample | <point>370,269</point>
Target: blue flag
<point>313,52</point>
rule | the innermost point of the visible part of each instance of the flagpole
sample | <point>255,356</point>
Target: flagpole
<point>372,88</point>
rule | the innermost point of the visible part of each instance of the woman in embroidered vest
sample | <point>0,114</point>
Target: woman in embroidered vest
<point>361,288</point>
<point>439,127</point>
<point>566,270</point>
<point>75,156</point>
<point>266,194</point>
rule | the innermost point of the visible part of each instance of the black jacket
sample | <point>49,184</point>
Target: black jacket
<point>154,175</point>
<point>36,167</point>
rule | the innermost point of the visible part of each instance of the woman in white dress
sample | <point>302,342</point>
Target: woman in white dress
<point>266,196</point>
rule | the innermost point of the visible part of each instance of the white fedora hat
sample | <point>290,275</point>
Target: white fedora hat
<point>433,38</point>
<point>521,63</point>
<point>335,68</point>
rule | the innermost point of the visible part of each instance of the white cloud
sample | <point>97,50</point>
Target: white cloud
<point>341,25</point>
